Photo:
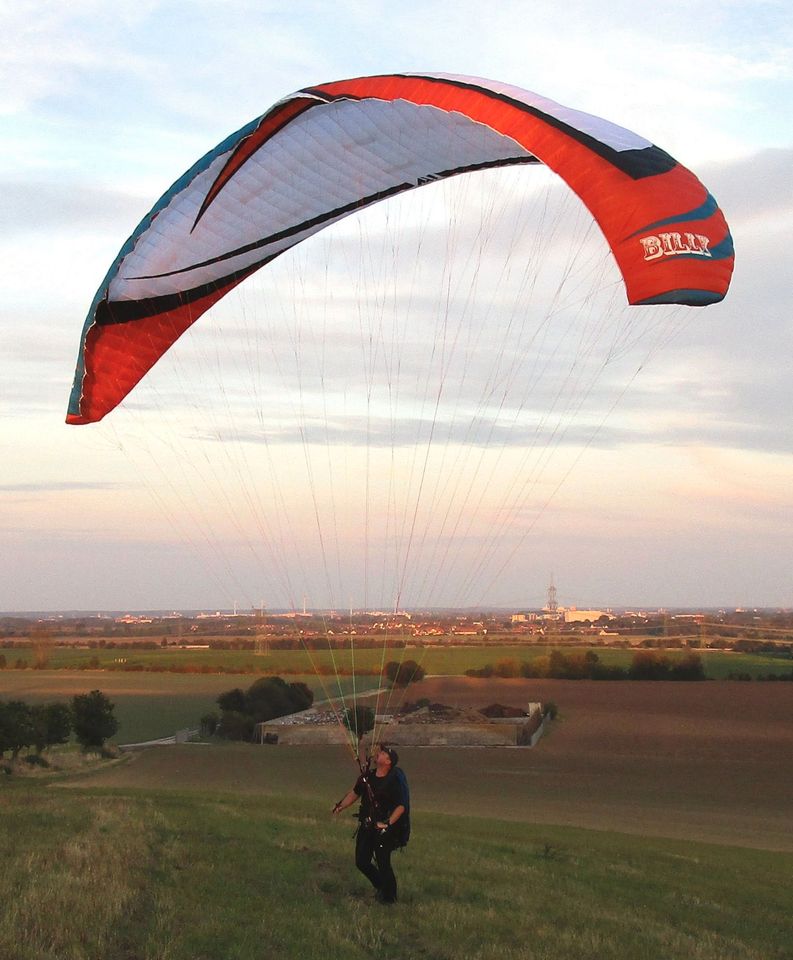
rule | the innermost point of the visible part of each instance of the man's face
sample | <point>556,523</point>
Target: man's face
<point>382,757</point>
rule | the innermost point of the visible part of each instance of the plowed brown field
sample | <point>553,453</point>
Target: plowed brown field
<point>709,761</point>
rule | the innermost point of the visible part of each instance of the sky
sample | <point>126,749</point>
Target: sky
<point>673,488</point>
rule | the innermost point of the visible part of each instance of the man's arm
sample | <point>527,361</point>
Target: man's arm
<point>396,813</point>
<point>345,802</point>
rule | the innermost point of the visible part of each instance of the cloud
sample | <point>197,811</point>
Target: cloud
<point>59,486</point>
<point>758,189</point>
<point>37,207</point>
<point>50,48</point>
<point>104,105</point>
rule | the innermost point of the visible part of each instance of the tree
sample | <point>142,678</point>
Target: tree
<point>359,720</point>
<point>404,673</point>
<point>52,723</point>
<point>689,667</point>
<point>232,700</point>
<point>648,665</point>
<point>265,699</point>
<point>94,722</point>
<point>16,727</point>
<point>42,644</point>
<point>302,695</point>
<point>235,725</point>
<point>270,697</point>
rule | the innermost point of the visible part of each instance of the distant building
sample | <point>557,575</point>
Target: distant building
<point>585,616</point>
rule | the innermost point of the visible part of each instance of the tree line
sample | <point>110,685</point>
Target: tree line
<point>23,726</point>
<point>645,665</point>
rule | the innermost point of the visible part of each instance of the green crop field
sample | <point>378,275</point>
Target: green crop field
<point>148,705</point>
<point>442,660</point>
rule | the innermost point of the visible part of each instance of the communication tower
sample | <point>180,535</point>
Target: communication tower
<point>551,616</point>
<point>552,607</point>
<point>261,633</point>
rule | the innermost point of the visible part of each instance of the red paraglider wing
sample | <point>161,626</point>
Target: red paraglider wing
<point>330,150</point>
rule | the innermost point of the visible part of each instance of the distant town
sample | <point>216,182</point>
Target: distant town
<point>738,628</point>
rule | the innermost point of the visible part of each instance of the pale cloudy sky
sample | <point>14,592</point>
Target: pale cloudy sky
<point>681,496</point>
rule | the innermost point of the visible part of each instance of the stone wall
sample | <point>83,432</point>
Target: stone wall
<point>452,734</point>
<point>301,734</point>
<point>299,729</point>
<point>403,734</point>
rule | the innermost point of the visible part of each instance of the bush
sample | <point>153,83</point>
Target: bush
<point>648,665</point>
<point>35,760</point>
<point>209,724</point>
<point>506,668</point>
<point>483,672</point>
<point>537,667</point>
<point>411,707</point>
<point>235,726</point>
<point>689,668</point>
<point>401,674</point>
<point>600,671</point>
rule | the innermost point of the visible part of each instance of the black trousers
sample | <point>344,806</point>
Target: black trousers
<point>371,845</point>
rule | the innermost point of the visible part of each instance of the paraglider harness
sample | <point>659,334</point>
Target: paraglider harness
<point>368,813</point>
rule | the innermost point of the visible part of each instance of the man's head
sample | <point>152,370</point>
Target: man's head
<point>386,756</point>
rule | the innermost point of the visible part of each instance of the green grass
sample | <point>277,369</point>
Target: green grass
<point>91,873</point>
<point>148,705</point>
<point>449,660</point>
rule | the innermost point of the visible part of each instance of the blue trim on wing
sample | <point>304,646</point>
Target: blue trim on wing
<point>198,167</point>
<point>723,250</point>
<point>707,209</point>
<point>689,298</point>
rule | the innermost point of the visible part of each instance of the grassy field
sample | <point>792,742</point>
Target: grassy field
<point>143,874</point>
<point>148,705</point>
<point>652,823</point>
<point>436,660</point>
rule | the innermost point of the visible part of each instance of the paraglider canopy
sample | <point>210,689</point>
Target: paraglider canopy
<point>327,151</point>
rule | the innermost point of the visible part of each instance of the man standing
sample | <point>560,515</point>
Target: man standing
<point>384,822</point>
